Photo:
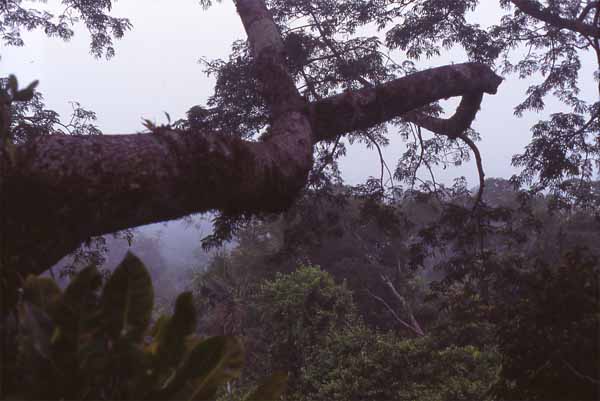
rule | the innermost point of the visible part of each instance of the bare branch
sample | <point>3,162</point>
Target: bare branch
<point>479,163</point>
<point>579,374</point>
<point>454,126</point>
<point>535,10</point>
<point>405,305</point>
<point>395,315</point>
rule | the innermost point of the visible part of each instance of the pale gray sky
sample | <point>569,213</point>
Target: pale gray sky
<point>156,69</point>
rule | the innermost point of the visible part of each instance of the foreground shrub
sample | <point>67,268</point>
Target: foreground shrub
<point>91,343</point>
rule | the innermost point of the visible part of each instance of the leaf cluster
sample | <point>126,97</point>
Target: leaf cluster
<point>94,342</point>
<point>15,17</point>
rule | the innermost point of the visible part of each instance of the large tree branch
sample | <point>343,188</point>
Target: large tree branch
<point>413,321</point>
<point>83,186</point>
<point>364,108</point>
<point>535,10</point>
<point>416,329</point>
<point>58,191</point>
<point>586,10</point>
<point>452,127</point>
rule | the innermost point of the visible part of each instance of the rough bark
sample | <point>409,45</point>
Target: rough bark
<point>367,107</point>
<point>58,191</point>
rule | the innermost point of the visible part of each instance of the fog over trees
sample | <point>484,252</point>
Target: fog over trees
<point>442,289</point>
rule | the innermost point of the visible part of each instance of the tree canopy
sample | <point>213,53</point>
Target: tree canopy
<point>397,288</point>
<point>305,77</point>
<point>429,311</point>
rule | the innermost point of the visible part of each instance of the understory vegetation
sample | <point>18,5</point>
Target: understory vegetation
<point>392,301</point>
<point>432,311</point>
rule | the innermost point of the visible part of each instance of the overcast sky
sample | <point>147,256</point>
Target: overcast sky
<point>156,69</point>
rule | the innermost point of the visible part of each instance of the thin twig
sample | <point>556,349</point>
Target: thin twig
<point>475,149</point>
<point>394,314</point>
<point>579,374</point>
<point>404,303</point>
<point>381,161</point>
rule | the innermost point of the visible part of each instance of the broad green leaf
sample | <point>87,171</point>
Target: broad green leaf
<point>36,330</point>
<point>192,341</point>
<point>156,333</point>
<point>172,339</point>
<point>41,291</point>
<point>270,389</point>
<point>183,321</point>
<point>73,311</point>
<point>211,364</point>
<point>133,366</point>
<point>127,300</point>
<point>83,285</point>
<point>159,326</point>
<point>36,352</point>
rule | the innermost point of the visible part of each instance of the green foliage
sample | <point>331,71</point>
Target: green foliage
<point>311,327</point>
<point>127,300</point>
<point>297,308</point>
<point>209,364</point>
<point>10,93</point>
<point>361,363</point>
<point>549,334</point>
<point>497,315</point>
<point>497,292</point>
<point>16,16</point>
<point>171,332</point>
<point>83,343</point>
<point>20,95</point>
<point>293,311</point>
<point>23,116</point>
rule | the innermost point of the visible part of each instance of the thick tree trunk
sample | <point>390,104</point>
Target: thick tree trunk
<point>58,191</point>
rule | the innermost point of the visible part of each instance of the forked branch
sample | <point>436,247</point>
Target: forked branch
<point>59,191</point>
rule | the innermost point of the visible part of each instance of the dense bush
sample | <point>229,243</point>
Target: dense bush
<point>83,343</point>
<point>310,325</point>
<point>504,315</point>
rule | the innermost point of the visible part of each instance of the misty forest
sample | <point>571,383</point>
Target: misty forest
<point>286,278</point>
